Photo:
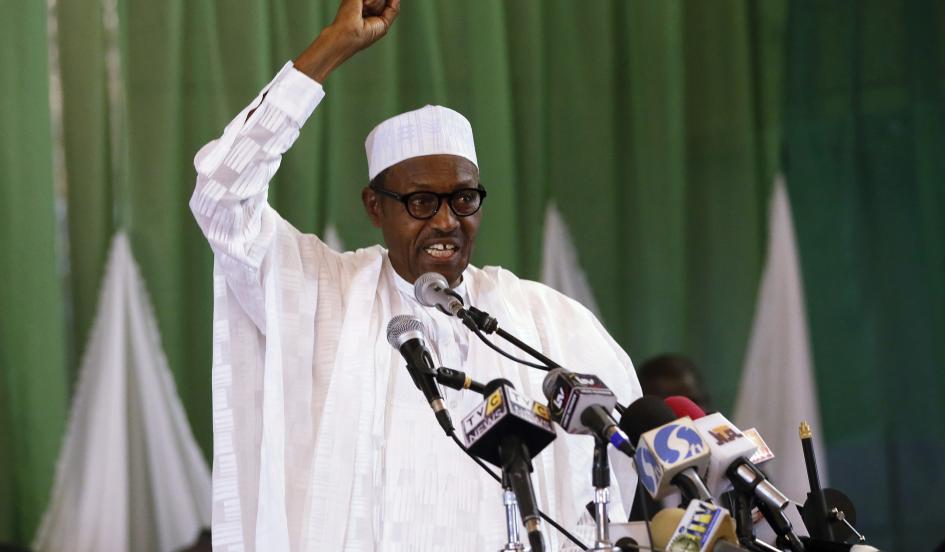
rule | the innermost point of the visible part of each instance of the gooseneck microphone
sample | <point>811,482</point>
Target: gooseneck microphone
<point>405,333</point>
<point>432,290</point>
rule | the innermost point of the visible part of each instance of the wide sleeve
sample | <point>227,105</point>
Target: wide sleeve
<point>233,174</point>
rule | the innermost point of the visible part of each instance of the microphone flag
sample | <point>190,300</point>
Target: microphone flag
<point>506,411</point>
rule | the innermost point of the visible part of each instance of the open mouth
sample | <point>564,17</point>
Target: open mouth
<point>441,251</point>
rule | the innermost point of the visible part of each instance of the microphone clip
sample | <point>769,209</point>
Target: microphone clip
<point>483,320</point>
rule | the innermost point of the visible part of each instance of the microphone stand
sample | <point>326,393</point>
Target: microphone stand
<point>744,526</point>
<point>600,478</point>
<point>511,517</point>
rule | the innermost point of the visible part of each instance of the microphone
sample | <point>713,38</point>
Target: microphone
<point>701,527</point>
<point>730,465</point>
<point>432,290</point>
<point>726,443</point>
<point>684,406</point>
<point>581,404</point>
<point>663,525</point>
<point>816,504</point>
<point>670,452</point>
<point>507,430</point>
<point>405,333</point>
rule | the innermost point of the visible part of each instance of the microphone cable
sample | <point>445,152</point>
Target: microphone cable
<point>471,324</point>
<point>498,479</point>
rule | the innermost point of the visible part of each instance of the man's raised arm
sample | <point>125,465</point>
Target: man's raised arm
<point>233,171</point>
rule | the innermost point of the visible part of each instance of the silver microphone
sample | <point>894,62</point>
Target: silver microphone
<point>432,290</point>
<point>405,333</point>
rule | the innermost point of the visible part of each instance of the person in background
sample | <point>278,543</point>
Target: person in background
<point>672,374</point>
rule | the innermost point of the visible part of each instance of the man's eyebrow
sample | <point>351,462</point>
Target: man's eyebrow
<point>461,183</point>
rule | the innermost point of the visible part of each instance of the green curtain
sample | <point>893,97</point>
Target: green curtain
<point>568,105</point>
<point>33,383</point>
<point>865,136</point>
<point>655,127</point>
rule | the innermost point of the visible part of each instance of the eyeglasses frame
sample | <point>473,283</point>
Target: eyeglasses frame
<point>405,199</point>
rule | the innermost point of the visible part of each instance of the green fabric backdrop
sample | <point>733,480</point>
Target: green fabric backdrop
<point>33,378</point>
<point>656,127</point>
<point>865,136</point>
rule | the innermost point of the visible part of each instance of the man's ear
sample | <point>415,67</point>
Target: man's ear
<point>372,206</point>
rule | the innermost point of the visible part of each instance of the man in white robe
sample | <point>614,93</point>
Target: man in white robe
<point>321,440</point>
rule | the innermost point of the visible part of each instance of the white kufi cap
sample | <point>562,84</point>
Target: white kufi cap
<point>430,130</point>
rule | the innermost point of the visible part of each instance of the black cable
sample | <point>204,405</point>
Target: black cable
<point>498,479</point>
<point>472,325</point>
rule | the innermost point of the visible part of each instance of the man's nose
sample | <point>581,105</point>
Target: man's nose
<point>444,220</point>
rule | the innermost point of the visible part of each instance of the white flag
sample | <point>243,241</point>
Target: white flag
<point>333,239</point>
<point>559,264</point>
<point>130,475</point>
<point>778,390</point>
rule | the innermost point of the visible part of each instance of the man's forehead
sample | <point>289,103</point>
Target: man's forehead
<point>433,171</point>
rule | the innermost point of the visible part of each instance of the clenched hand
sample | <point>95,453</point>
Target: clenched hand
<point>358,24</point>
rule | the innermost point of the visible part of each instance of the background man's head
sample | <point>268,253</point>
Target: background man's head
<point>424,193</point>
<point>671,374</point>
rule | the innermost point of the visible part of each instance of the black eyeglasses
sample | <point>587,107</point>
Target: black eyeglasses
<point>425,205</point>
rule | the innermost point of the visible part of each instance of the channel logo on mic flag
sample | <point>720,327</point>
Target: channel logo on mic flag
<point>700,528</point>
<point>666,451</point>
<point>650,470</point>
<point>676,442</point>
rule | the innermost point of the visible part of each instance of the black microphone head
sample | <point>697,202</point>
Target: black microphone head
<point>403,327</point>
<point>495,384</point>
<point>646,413</point>
<point>549,384</point>
<point>627,544</point>
<point>426,285</point>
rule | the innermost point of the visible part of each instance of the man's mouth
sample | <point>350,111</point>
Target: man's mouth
<point>441,251</point>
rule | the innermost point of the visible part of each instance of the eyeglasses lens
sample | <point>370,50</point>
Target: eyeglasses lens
<point>423,205</point>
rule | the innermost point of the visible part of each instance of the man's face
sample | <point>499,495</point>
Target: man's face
<point>415,245</point>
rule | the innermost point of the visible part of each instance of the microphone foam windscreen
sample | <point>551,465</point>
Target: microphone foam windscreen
<point>550,381</point>
<point>683,406</point>
<point>663,525</point>
<point>646,413</point>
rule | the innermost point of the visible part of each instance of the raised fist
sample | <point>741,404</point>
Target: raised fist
<point>358,24</point>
